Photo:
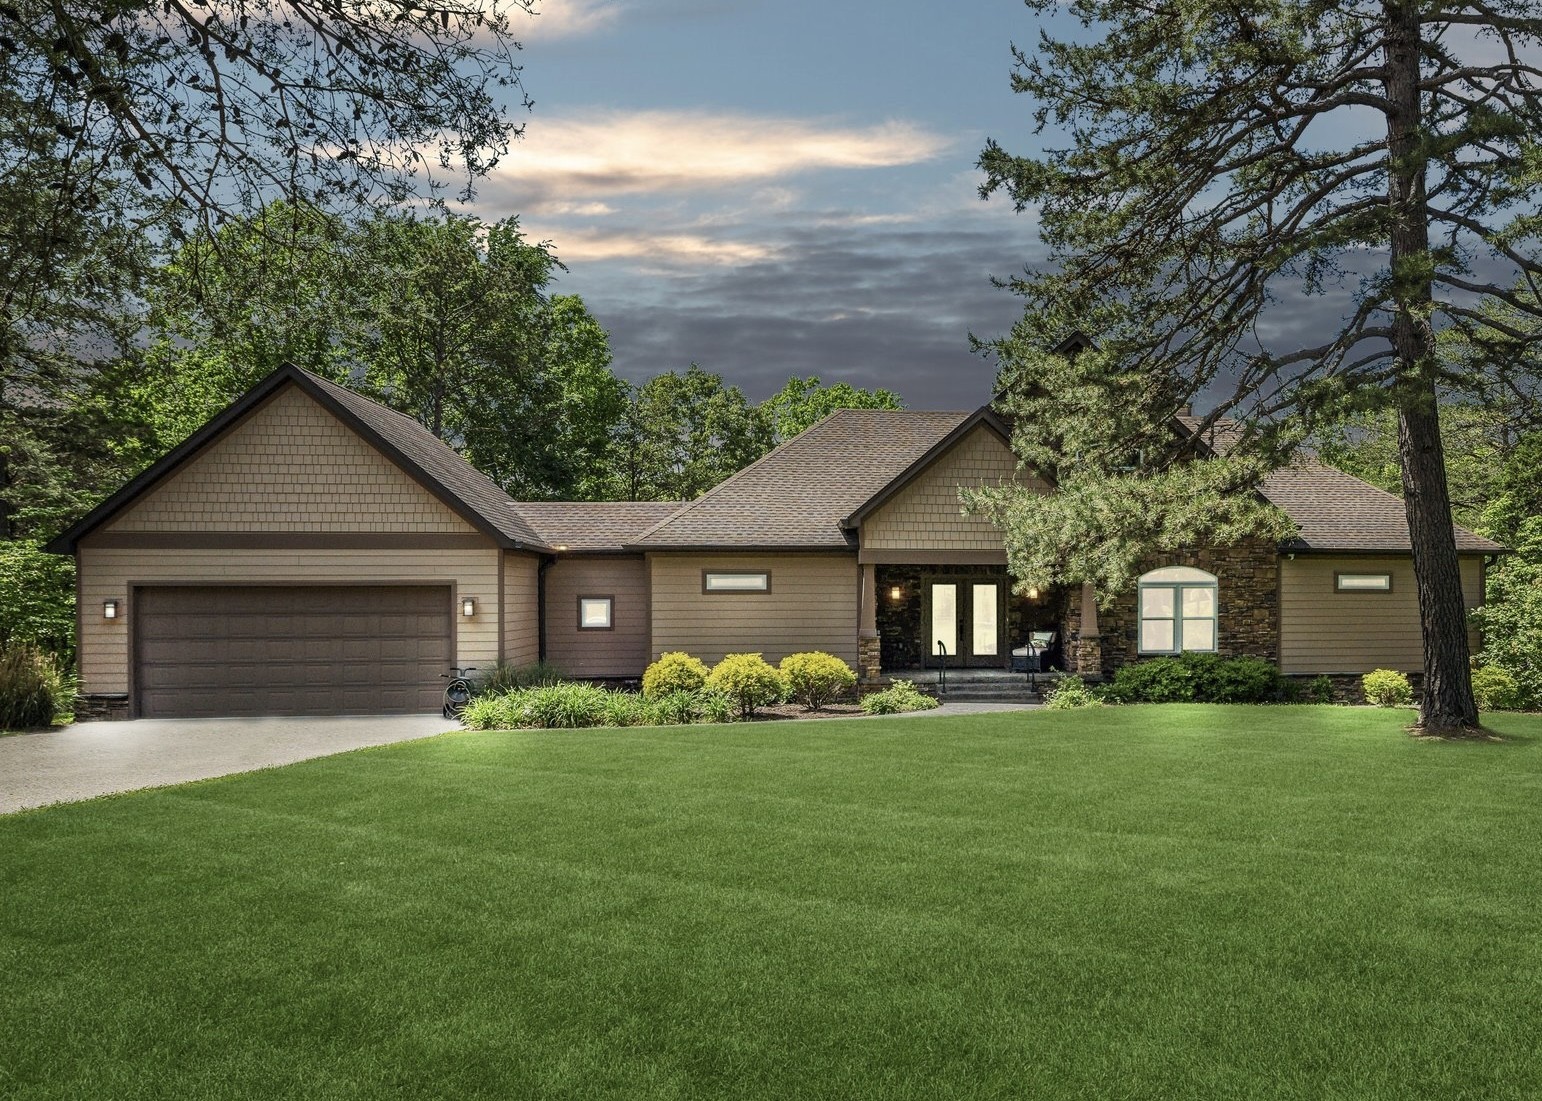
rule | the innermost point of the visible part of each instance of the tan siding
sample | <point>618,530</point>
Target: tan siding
<point>812,606</point>
<point>108,573</point>
<point>622,652</point>
<point>926,514</point>
<point>1324,631</point>
<point>290,466</point>
<point>521,609</point>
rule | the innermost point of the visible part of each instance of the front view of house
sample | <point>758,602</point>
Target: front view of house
<point>311,552</point>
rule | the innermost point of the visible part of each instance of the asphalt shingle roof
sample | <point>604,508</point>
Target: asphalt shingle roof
<point>439,461</point>
<point>797,496</point>
<point>593,525</point>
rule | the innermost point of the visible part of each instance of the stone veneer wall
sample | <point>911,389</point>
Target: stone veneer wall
<point>1248,595</point>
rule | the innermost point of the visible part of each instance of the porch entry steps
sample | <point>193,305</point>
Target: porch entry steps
<point>982,685</point>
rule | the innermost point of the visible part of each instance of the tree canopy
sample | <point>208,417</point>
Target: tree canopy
<point>804,402</point>
<point>1208,160</point>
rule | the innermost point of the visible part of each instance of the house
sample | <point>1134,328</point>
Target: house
<point>309,551</point>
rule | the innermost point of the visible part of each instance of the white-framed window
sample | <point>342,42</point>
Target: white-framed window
<point>1177,606</point>
<point>725,581</point>
<point>1362,582</point>
<point>595,613</point>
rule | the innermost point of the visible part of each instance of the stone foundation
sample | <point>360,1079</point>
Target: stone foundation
<point>1084,656</point>
<point>99,708</point>
<point>869,658</point>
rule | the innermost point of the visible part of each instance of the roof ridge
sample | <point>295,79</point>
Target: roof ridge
<point>743,471</point>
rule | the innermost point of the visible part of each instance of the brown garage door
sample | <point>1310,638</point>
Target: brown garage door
<point>302,650</point>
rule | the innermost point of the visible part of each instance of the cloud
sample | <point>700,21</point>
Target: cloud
<point>593,155</point>
<point>657,250</point>
<point>569,18</point>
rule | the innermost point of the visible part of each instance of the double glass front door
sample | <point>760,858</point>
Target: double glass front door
<point>964,622</point>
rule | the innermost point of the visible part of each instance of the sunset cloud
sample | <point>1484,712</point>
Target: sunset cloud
<point>584,157</point>
<point>659,250</point>
<point>568,19</point>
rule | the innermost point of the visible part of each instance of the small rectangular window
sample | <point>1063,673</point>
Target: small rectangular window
<point>1363,582</point>
<point>594,613</point>
<point>714,581</point>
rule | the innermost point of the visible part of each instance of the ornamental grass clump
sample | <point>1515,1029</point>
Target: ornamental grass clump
<point>1386,688</point>
<point>749,681</point>
<point>899,697</point>
<point>32,690</point>
<point>816,678</point>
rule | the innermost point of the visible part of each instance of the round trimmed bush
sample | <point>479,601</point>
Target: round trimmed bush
<point>1495,690</point>
<point>748,680</point>
<point>816,678</point>
<point>1386,688</point>
<point>675,671</point>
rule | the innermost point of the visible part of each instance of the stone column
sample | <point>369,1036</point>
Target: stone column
<point>1087,648</point>
<point>868,659</point>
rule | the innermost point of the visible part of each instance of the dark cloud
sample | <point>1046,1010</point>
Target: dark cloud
<point>873,305</point>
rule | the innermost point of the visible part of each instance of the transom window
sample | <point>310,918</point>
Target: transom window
<point>1362,582</point>
<point>722,581</point>
<point>1177,611</point>
<point>595,612</point>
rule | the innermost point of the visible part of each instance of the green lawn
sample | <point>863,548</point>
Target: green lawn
<point>1139,902</point>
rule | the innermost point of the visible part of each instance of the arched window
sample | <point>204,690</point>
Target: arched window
<point>1177,611</point>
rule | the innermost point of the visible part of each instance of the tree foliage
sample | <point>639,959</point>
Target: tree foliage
<point>1220,156</point>
<point>804,402</point>
<point>683,433</point>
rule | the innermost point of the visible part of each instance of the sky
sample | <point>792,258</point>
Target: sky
<point>777,187</point>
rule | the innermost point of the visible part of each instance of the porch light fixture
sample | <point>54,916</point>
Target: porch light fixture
<point>109,609</point>
<point>1033,593</point>
<point>895,592</point>
<point>468,607</point>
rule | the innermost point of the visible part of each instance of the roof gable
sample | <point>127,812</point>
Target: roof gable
<point>800,494</point>
<point>466,491</point>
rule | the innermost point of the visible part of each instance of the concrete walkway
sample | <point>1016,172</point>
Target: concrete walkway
<point>91,759</point>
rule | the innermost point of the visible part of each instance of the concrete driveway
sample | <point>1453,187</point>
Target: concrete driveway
<point>91,759</point>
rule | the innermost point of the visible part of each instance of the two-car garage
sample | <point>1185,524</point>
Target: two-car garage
<point>203,650</point>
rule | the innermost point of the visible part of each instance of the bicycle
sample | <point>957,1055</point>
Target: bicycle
<point>457,694</point>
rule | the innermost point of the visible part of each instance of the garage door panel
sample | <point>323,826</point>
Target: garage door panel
<point>298,650</point>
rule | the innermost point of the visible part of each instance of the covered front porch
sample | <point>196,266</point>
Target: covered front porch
<point>922,618</point>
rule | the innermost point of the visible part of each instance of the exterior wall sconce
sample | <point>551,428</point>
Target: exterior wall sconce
<point>468,607</point>
<point>109,609</point>
<point>895,592</point>
<point>1033,593</point>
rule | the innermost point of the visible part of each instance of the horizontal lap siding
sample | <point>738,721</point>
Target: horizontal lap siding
<point>521,609</point>
<point>927,513</point>
<point>290,466</point>
<point>812,606</point>
<point>107,573</point>
<point>621,652</point>
<point>1324,631</point>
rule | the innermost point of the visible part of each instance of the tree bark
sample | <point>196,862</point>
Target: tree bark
<point>1446,704</point>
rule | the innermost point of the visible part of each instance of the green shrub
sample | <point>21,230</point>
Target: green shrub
<point>675,671</point>
<point>900,696</point>
<point>748,680</point>
<point>714,707</point>
<point>1070,693</point>
<point>568,706</point>
<point>628,709</point>
<point>1386,688</point>
<point>677,707</point>
<point>1319,690</point>
<point>505,711</point>
<point>1495,689</point>
<point>1239,680</point>
<point>816,678</point>
<point>1160,680</point>
<point>506,677</point>
<point>32,689</point>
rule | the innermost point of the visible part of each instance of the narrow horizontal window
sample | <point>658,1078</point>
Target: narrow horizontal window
<point>594,613</point>
<point>1363,582</point>
<point>713,581</point>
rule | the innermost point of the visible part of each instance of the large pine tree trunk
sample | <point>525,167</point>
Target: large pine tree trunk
<point>1447,704</point>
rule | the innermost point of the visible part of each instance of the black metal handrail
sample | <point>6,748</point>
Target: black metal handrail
<point>942,668</point>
